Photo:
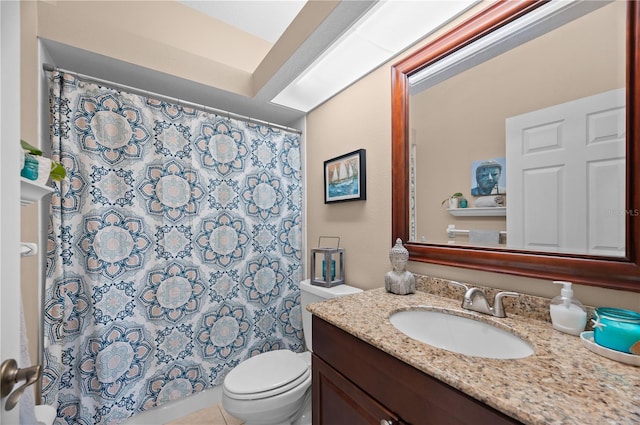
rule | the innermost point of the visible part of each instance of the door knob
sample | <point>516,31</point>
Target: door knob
<point>10,375</point>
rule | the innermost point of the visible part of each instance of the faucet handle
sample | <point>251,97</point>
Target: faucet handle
<point>498,307</point>
<point>503,294</point>
<point>466,290</point>
<point>462,285</point>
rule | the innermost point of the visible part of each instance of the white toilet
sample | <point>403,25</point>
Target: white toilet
<point>274,388</point>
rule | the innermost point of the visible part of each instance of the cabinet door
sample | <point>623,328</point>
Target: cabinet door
<point>337,401</point>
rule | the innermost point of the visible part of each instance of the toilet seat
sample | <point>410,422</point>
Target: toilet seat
<point>266,375</point>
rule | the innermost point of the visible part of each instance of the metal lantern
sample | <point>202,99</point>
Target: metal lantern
<point>328,270</point>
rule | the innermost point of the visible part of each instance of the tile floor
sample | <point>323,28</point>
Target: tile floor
<point>213,415</point>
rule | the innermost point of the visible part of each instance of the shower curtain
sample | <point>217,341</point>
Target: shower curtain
<point>174,250</point>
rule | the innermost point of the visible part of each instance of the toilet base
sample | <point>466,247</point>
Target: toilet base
<point>284,409</point>
<point>305,418</point>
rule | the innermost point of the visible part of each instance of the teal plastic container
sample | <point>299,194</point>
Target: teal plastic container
<point>617,329</point>
<point>30,169</point>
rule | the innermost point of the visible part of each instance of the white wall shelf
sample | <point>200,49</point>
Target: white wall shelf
<point>31,191</point>
<point>479,212</point>
<point>28,249</point>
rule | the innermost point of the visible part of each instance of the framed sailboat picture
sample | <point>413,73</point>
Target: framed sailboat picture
<point>345,177</point>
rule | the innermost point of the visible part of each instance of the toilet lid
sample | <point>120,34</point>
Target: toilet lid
<point>266,374</point>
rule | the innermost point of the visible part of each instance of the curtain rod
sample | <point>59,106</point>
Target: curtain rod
<point>133,90</point>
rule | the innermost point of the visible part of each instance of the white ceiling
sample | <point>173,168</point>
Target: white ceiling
<point>264,19</point>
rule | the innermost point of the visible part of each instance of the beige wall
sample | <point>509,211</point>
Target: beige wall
<point>360,117</point>
<point>356,118</point>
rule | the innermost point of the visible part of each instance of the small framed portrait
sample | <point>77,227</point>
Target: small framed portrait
<point>345,177</point>
<point>489,177</point>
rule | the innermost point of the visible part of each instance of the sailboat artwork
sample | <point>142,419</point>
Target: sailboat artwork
<point>344,180</point>
<point>344,177</point>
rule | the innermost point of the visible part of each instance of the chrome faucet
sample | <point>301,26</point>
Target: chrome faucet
<point>476,300</point>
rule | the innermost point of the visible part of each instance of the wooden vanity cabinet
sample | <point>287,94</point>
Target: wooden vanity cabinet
<point>355,383</point>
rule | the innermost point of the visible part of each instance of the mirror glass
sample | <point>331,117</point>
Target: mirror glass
<point>528,124</point>
<point>533,118</point>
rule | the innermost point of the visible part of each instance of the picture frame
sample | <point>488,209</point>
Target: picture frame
<point>345,177</point>
<point>489,177</point>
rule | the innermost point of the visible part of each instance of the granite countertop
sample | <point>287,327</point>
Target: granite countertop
<point>561,383</point>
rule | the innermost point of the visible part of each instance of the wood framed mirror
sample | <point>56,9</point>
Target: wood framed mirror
<point>615,272</point>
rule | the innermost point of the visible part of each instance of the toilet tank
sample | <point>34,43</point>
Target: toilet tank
<point>310,294</point>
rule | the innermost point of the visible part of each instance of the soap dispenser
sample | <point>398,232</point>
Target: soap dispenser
<point>568,315</point>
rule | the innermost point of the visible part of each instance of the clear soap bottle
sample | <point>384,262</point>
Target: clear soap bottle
<point>568,315</point>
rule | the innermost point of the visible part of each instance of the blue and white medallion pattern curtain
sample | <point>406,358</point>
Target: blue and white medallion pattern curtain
<point>174,250</point>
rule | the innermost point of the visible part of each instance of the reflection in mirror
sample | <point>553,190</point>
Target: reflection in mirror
<point>552,105</point>
<point>522,101</point>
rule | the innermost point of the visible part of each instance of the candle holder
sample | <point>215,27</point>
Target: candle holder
<point>331,264</point>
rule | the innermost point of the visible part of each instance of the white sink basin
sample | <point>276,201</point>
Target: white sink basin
<point>460,334</point>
